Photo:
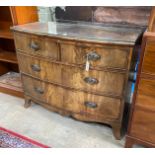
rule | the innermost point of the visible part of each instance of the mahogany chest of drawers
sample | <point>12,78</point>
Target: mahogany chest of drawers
<point>142,122</point>
<point>77,70</point>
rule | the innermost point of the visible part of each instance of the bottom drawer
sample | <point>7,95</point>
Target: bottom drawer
<point>74,101</point>
<point>143,125</point>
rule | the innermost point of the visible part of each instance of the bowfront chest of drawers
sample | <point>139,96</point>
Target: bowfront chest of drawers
<point>76,70</point>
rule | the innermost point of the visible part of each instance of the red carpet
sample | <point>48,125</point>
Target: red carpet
<point>10,139</point>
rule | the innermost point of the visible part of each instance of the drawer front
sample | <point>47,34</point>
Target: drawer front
<point>149,58</point>
<point>74,101</point>
<point>143,125</point>
<point>37,45</point>
<point>73,76</point>
<point>99,56</point>
<point>146,94</point>
<point>147,86</point>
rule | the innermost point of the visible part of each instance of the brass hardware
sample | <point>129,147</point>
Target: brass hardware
<point>93,56</point>
<point>90,104</point>
<point>39,90</point>
<point>34,46</point>
<point>36,68</point>
<point>90,80</point>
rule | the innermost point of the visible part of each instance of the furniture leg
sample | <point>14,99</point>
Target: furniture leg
<point>27,102</point>
<point>117,131</point>
<point>129,143</point>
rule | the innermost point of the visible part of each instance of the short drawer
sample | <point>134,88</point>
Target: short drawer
<point>149,58</point>
<point>74,101</point>
<point>111,83</point>
<point>37,45</point>
<point>146,93</point>
<point>99,56</point>
<point>143,125</point>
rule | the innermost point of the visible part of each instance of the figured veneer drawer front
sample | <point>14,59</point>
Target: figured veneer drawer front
<point>74,101</point>
<point>146,94</point>
<point>99,56</point>
<point>143,125</point>
<point>149,58</point>
<point>37,45</point>
<point>147,86</point>
<point>73,76</point>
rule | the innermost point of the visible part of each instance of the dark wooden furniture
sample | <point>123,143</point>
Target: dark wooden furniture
<point>10,81</point>
<point>142,122</point>
<point>52,59</point>
<point>141,128</point>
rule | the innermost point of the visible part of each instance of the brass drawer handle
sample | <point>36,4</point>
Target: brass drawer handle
<point>90,104</point>
<point>93,56</point>
<point>35,68</point>
<point>39,90</point>
<point>90,80</point>
<point>34,46</point>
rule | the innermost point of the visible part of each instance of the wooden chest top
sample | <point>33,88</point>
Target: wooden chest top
<point>105,33</point>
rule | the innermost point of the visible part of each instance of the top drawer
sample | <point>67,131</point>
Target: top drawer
<point>99,55</point>
<point>72,52</point>
<point>149,58</point>
<point>37,45</point>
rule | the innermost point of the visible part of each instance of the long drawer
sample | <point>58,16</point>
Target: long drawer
<point>111,83</point>
<point>74,101</point>
<point>37,45</point>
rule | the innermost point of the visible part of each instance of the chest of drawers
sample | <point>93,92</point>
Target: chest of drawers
<point>53,58</point>
<point>142,122</point>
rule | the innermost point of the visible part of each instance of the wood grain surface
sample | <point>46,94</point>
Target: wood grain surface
<point>53,71</point>
<point>73,76</point>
